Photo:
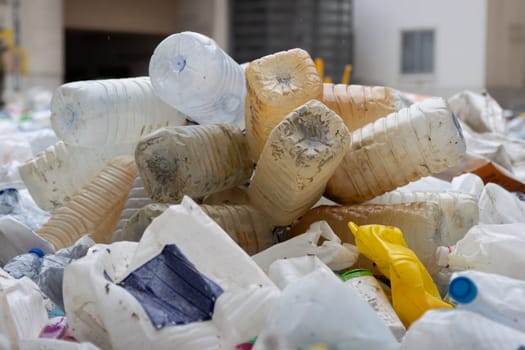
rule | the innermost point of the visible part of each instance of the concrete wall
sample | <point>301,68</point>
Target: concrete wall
<point>459,43</point>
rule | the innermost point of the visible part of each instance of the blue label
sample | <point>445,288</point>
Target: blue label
<point>171,290</point>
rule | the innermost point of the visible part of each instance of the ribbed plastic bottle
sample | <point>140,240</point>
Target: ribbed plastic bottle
<point>190,72</point>
<point>420,222</point>
<point>359,105</point>
<point>55,175</point>
<point>172,164</point>
<point>299,157</point>
<point>460,210</point>
<point>276,85</point>
<point>113,111</point>
<point>494,296</point>
<point>95,209</point>
<point>392,151</point>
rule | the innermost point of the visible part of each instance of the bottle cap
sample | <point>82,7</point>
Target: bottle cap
<point>345,276</point>
<point>462,289</point>
<point>37,251</point>
<point>442,254</point>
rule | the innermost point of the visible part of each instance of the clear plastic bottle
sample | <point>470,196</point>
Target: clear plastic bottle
<point>190,72</point>
<point>172,164</point>
<point>113,111</point>
<point>26,264</point>
<point>55,175</point>
<point>404,146</point>
<point>359,105</point>
<point>276,85</point>
<point>299,157</point>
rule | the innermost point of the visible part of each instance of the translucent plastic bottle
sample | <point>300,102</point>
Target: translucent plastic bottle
<point>113,111</point>
<point>95,209</point>
<point>194,75</point>
<point>172,164</point>
<point>276,85</point>
<point>299,157</point>
<point>417,141</point>
<point>359,105</point>
<point>25,264</point>
<point>494,296</point>
<point>56,174</point>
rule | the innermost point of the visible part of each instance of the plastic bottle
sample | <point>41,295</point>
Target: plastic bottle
<point>299,157</point>
<point>190,72</point>
<point>106,112</point>
<point>359,105</point>
<point>95,209</point>
<point>488,248</point>
<point>500,298</point>
<point>55,175</point>
<point>413,290</point>
<point>460,210</point>
<point>371,291</point>
<point>417,141</point>
<point>172,164</point>
<point>26,264</point>
<point>499,206</point>
<point>276,85</point>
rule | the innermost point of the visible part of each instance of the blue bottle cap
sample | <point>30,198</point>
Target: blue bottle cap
<point>462,289</point>
<point>37,251</point>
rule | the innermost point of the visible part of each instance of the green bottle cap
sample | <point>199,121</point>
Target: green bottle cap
<point>345,276</point>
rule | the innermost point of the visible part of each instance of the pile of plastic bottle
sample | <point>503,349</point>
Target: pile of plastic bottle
<point>217,206</point>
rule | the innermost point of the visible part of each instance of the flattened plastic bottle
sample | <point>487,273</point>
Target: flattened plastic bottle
<point>359,105</point>
<point>95,209</point>
<point>172,164</point>
<point>190,72</point>
<point>55,175</point>
<point>299,157</point>
<point>404,146</point>
<point>112,111</point>
<point>276,85</point>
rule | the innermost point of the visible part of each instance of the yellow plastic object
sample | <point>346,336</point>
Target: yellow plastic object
<point>413,290</point>
<point>346,74</point>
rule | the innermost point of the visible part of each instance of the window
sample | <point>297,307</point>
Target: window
<point>417,52</point>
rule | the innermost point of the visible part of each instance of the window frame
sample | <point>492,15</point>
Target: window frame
<point>417,74</point>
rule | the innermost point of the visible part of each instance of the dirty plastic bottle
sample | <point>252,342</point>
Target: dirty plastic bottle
<point>500,298</point>
<point>371,291</point>
<point>413,290</point>
<point>276,85</point>
<point>299,157</point>
<point>95,209</point>
<point>460,210</point>
<point>359,105</point>
<point>190,72</point>
<point>172,164</point>
<point>55,175</point>
<point>26,264</point>
<point>404,146</point>
<point>488,248</point>
<point>113,111</point>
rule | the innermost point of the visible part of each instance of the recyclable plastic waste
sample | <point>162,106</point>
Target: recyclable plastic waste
<point>300,155</point>
<point>19,205</point>
<point>488,248</point>
<point>14,150</point>
<point>114,299</point>
<point>105,112</point>
<point>499,206</point>
<point>190,72</point>
<point>479,111</point>
<point>468,183</point>
<point>413,290</point>
<point>404,146</point>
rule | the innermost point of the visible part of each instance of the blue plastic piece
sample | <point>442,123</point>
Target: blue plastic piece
<point>9,200</point>
<point>462,289</point>
<point>171,290</point>
<point>37,251</point>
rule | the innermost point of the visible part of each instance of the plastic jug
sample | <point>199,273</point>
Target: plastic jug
<point>300,155</point>
<point>417,141</point>
<point>413,290</point>
<point>171,163</point>
<point>359,105</point>
<point>276,85</point>
<point>194,75</point>
<point>114,111</point>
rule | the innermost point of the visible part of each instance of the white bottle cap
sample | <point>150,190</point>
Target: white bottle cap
<point>442,254</point>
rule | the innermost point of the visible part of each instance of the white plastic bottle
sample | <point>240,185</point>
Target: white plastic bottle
<point>194,75</point>
<point>494,296</point>
<point>404,146</point>
<point>113,111</point>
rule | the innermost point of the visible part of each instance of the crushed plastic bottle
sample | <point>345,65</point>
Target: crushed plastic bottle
<point>190,72</point>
